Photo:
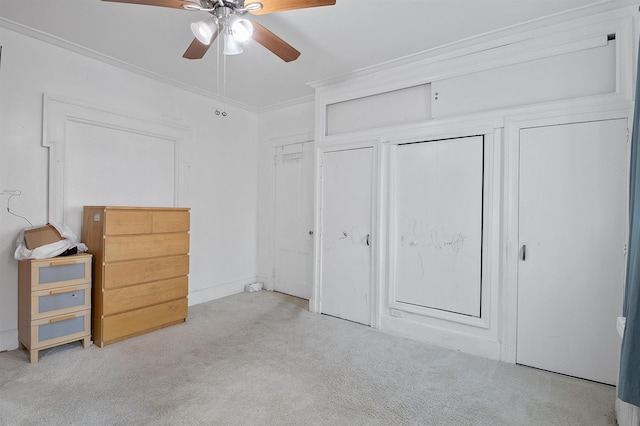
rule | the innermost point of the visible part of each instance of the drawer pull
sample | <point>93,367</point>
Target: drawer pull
<point>62,263</point>
<point>67,317</point>
<point>62,290</point>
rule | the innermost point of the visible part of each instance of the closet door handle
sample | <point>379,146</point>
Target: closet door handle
<point>524,252</point>
<point>368,239</point>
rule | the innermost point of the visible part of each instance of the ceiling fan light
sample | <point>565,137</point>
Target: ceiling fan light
<point>204,31</point>
<point>242,30</point>
<point>231,46</point>
<point>253,6</point>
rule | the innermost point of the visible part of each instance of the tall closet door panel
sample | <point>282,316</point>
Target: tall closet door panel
<point>438,210</point>
<point>346,234</point>
<point>572,220</point>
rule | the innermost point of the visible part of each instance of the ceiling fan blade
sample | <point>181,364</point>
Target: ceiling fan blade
<point>176,4</point>
<point>270,6</point>
<point>196,50</point>
<point>275,44</point>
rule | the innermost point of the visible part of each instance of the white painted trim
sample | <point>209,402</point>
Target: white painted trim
<point>58,112</point>
<point>9,340</point>
<point>81,50</point>
<point>291,103</point>
<point>446,338</point>
<point>508,43</point>
<point>218,291</point>
<point>491,231</point>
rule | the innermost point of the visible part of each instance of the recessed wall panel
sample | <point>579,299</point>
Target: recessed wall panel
<point>438,238</point>
<point>572,75</point>
<point>407,105</point>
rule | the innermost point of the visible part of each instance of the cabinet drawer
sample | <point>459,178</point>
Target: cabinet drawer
<point>139,296</point>
<point>129,247</point>
<point>57,272</point>
<point>140,221</point>
<point>127,222</point>
<point>60,301</point>
<point>171,221</point>
<point>120,274</point>
<point>127,324</point>
<point>50,331</point>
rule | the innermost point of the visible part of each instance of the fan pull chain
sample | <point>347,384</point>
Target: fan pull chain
<point>224,66</point>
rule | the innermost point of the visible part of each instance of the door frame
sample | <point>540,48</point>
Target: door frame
<point>274,144</point>
<point>315,303</point>
<point>513,125</point>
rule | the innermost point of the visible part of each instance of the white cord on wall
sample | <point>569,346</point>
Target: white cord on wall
<point>13,193</point>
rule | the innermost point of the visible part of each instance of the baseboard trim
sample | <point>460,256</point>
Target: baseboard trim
<point>8,340</point>
<point>627,414</point>
<point>473,345</point>
<point>218,291</point>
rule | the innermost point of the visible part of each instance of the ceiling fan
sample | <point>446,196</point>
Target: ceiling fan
<point>227,19</point>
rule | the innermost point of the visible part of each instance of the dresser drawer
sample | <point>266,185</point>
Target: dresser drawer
<point>121,274</point>
<point>142,295</point>
<point>60,301</point>
<point>129,247</point>
<point>51,331</point>
<point>142,221</point>
<point>58,272</point>
<point>132,323</point>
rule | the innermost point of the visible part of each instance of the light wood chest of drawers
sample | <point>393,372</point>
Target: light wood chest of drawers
<point>140,271</point>
<point>54,302</point>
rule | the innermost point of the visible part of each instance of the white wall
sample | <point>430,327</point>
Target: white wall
<point>222,182</point>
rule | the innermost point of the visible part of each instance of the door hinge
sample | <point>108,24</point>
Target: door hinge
<point>273,272</point>
<point>625,250</point>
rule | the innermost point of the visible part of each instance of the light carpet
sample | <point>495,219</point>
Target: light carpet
<point>262,359</point>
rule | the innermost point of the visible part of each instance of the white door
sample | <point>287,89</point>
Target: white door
<point>294,220</point>
<point>346,234</point>
<point>572,236</point>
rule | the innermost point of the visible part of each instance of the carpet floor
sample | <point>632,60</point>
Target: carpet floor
<point>262,359</point>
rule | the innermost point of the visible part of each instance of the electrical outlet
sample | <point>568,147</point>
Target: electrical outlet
<point>397,313</point>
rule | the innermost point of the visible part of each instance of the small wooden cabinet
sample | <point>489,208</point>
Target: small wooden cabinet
<point>141,269</point>
<point>54,302</point>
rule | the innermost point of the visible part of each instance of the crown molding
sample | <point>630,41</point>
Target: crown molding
<point>81,50</point>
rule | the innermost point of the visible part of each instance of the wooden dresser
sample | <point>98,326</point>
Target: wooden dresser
<point>141,264</point>
<point>54,302</point>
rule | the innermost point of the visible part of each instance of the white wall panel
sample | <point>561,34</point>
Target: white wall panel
<point>571,75</point>
<point>438,207</point>
<point>407,105</point>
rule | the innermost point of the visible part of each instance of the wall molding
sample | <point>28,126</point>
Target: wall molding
<point>218,291</point>
<point>59,112</point>
<point>9,340</point>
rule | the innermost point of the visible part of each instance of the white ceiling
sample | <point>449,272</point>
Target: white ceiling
<point>334,40</point>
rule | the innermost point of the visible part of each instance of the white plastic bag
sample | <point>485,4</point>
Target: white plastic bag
<point>49,250</point>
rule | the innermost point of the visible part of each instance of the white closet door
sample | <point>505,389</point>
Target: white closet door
<point>573,186</point>
<point>439,224</point>
<point>294,220</point>
<point>346,228</point>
